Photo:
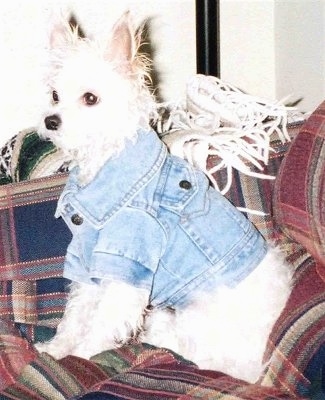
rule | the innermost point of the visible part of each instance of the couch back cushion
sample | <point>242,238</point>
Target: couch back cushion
<point>299,196</point>
<point>32,249</point>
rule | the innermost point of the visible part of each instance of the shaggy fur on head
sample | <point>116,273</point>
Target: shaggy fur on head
<point>100,98</point>
<point>103,82</point>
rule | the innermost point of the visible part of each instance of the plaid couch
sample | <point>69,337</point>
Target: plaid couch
<point>33,292</point>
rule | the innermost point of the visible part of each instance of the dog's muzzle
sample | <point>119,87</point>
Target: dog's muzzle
<point>52,122</point>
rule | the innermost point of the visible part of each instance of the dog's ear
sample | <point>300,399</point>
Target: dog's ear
<point>60,35</point>
<point>122,46</point>
<point>65,31</point>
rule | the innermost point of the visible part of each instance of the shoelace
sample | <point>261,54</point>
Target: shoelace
<point>217,119</point>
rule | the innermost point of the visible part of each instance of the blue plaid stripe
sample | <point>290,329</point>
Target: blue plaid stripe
<point>32,249</point>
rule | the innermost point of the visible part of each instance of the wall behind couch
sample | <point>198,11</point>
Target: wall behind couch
<point>275,48</point>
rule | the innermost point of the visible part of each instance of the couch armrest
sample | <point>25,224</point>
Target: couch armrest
<point>296,347</point>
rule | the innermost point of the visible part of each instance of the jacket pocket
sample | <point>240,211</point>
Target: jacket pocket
<point>178,184</point>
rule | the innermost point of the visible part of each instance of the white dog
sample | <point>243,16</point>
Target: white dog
<point>157,255</point>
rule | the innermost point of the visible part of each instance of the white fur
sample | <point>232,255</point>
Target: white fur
<point>226,330</point>
<point>114,72</point>
<point>98,317</point>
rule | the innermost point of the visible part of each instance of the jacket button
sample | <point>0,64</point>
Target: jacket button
<point>77,219</point>
<point>185,185</point>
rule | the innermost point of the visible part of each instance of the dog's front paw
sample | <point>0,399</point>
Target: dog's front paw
<point>54,349</point>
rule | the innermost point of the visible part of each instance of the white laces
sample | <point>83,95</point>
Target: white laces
<point>217,119</point>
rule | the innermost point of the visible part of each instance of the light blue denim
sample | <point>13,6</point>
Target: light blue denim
<point>152,220</point>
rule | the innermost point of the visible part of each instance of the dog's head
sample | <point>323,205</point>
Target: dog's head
<point>98,91</point>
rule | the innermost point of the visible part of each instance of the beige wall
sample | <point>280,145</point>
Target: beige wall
<point>275,48</point>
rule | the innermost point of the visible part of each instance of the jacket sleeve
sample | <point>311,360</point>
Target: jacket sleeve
<point>128,248</point>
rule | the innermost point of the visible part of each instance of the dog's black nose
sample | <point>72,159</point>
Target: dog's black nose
<point>52,122</point>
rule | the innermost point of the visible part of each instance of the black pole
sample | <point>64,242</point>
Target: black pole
<point>207,37</point>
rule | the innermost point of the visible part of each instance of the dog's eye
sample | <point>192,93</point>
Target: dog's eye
<point>90,99</point>
<point>55,97</point>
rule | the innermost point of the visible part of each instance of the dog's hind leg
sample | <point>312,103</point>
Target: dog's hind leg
<point>97,318</point>
<point>228,330</point>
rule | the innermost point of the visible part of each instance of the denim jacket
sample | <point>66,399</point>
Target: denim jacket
<point>152,220</point>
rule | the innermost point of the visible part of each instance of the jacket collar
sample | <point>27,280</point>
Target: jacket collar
<point>120,179</point>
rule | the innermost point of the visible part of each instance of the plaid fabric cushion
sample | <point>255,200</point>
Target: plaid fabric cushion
<point>33,295</point>
<point>32,249</point>
<point>296,347</point>
<point>300,189</point>
<point>132,372</point>
<point>300,212</point>
<point>15,353</point>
